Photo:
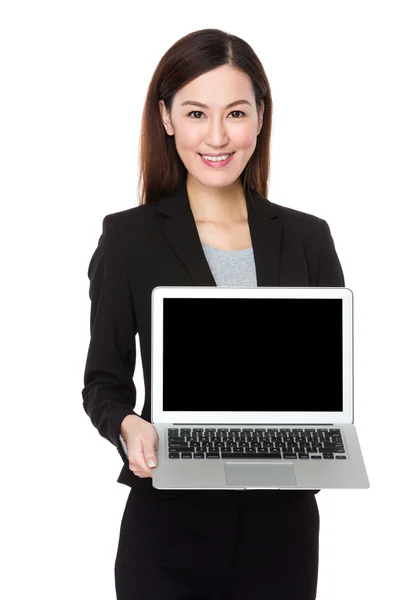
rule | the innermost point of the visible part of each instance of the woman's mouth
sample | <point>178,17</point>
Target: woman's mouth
<point>217,161</point>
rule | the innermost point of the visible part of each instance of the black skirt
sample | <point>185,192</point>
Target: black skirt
<point>218,545</point>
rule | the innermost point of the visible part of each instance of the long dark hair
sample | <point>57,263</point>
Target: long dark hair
<point>161,169</point>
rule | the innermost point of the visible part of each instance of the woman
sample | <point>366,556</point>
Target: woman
<point>199,223</point>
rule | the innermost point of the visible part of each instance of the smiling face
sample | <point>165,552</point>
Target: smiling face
<point>215,114</point>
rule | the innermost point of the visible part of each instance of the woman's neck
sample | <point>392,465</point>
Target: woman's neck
<point>217,205</point>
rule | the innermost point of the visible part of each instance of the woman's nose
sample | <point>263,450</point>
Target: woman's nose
<point>217,132</point>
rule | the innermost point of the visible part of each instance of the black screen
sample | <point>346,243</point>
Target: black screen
<point>256,354</point>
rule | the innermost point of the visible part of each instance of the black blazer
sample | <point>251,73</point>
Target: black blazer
<point>158,244</point>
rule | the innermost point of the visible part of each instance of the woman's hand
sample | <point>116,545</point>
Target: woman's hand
<point>142,439</point>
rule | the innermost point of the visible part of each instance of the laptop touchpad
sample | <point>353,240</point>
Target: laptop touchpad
<point>268,474</point>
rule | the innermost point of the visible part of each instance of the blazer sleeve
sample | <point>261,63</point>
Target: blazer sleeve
<point>330,273</point>
<point>109,393</point>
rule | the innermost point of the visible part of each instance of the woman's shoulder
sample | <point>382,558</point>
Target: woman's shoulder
<point>293,217</point>
<point>131,218</point>
<point>137,213</point>
<point>308,227</point>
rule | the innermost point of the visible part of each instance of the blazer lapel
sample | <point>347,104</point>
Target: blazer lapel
<point>179,228</point>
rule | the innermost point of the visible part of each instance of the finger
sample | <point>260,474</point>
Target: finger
<point>138,465</point>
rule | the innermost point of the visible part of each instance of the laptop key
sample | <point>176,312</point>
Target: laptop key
<point>248,455</point>
<point>212,454</point>
<point>341,457</point>
<point>186,455</point>
<point>173,455</point>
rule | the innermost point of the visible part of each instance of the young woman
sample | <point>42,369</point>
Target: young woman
<point>203,219</point>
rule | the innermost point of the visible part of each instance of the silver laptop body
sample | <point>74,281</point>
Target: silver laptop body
<point>252,388</point>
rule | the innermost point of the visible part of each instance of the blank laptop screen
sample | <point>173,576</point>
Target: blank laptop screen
<point>256,354</point>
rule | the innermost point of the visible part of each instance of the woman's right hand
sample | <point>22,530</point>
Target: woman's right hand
<point>142,440</point>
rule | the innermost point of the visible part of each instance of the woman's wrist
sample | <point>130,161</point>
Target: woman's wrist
<point>128,422</point>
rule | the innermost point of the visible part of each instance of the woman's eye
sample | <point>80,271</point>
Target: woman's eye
<point>238,111</point>
<point>194,112</point>
<point>199,112</point>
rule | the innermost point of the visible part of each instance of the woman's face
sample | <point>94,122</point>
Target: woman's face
<point>203,123</point>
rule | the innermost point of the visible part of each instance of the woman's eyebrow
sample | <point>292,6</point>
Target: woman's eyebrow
<point>194,103</point>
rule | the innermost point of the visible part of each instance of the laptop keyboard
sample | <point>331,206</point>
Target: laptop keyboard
<point>303,444</point>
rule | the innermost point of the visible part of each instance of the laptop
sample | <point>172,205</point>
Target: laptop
<point>252,388</point>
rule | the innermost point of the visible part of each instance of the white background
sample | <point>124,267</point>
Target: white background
<point>74,77</point>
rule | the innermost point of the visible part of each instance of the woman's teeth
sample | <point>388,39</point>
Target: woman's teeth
<point>216,158</point>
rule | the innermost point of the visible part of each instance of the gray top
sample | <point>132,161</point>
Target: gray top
<point>231,268</point>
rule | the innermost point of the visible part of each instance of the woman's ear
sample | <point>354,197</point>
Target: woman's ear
<point>260,116</point>
<point>165,117</point>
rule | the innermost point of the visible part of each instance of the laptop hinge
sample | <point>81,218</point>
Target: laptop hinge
<point>252,423</point>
